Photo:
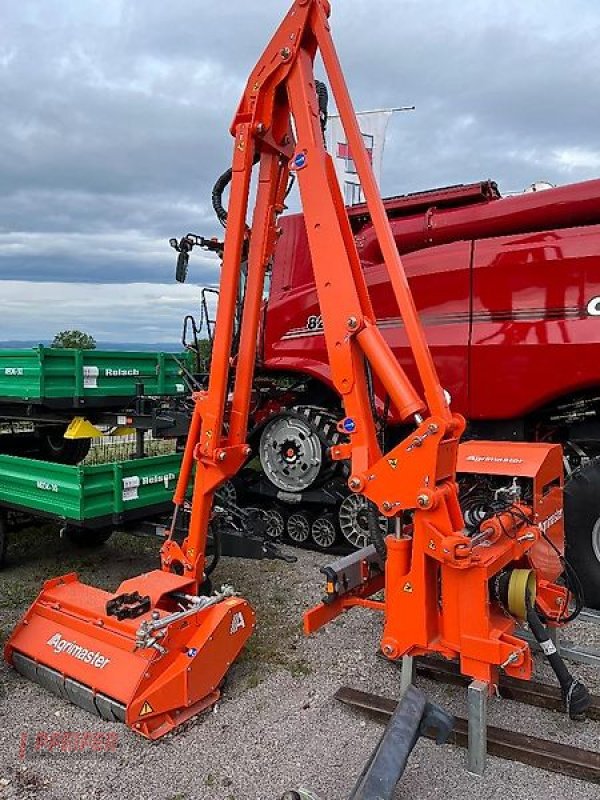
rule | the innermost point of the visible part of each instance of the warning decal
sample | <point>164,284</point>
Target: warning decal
<point>146,709</point>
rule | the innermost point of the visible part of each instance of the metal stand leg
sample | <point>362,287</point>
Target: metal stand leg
<point>478,692</point>
<point>407,674</point>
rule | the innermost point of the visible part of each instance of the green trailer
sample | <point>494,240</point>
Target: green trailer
<point>76,379</point>
<point>48,396</point>
<point>89,501</point>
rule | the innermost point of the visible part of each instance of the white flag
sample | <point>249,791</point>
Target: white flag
<point>373,126</point>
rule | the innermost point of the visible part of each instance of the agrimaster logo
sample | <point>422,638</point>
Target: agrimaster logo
<point>92,657</point>
<point>495,459</point>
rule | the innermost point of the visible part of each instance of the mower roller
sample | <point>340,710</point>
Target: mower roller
<point>155,652</point>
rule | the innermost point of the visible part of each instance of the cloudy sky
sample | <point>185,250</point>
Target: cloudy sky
<point>115,117</point>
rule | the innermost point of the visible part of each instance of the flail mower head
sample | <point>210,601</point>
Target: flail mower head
<point>151,655</point>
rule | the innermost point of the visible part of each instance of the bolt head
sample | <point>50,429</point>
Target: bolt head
<point>352,323</point>
<point>387,506</point>
<point>222,455</point>
<point>423,500</point>
<point>354,483</point>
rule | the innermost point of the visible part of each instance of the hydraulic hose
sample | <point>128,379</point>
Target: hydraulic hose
<point>216,554</point>
<point>377,537</point>
<point>576,696</point>
<point>224,180</point>
<point>221,184</point>
<point>323,100</point>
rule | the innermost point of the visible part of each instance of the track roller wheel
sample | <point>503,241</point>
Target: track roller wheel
<point>323,531</point>
<point>298,527</point>
<point>354,522</point>
<point>226,495</point>
<point>275,523</point>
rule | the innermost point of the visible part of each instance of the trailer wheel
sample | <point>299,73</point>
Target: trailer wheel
<point>582,528</point>
<point>86,537</point>
<point>3,537</point>
<point>54,447</point>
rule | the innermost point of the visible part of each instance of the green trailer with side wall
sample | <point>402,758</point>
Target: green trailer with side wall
<point>87,501</point>
<point>43,391</point>
<point>82,379</point>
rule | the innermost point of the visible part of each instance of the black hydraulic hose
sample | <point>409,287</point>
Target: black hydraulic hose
<point>576,696</point>
<point>221,184</point>
<point>224,180</point>
<point>323,100</point>
<point>217,550</point>
<point>375,532</point>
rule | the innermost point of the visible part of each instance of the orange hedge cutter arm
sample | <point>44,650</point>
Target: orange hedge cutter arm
<point>281,88</point>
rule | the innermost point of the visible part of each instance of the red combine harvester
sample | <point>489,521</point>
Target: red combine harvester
<point>508,291</point>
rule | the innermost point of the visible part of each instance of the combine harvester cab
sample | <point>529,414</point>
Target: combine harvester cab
<point>151,655</point>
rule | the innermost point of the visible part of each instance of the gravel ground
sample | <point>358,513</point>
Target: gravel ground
<point>278,726</point>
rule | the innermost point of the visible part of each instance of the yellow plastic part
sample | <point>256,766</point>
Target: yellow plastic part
<point>80,428</point>
<point>522,582</point>
<point>122,430</point>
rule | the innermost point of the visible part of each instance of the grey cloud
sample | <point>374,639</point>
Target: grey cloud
<point>150,312</point>
<point>116,113</point>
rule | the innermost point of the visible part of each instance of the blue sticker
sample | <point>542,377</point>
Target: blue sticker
<point>192,652</point>
<point>300,160</point>
<point>349,425</point>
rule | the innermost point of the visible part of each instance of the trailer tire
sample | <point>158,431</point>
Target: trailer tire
<point>54,447</point>
<point>582,528</point>
<point>88,538</point>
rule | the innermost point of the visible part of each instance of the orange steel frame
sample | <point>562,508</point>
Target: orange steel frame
<point>436,586</point>
<point>282,87</point>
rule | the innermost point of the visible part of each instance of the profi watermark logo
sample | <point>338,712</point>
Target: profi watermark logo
<point>66,743</point>
<point>92,657</point>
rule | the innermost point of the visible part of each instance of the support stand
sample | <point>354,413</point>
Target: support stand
<point>407,674</point>
<point>477,697</point>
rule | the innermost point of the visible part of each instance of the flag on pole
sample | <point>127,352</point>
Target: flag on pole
<point>373,126</point>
